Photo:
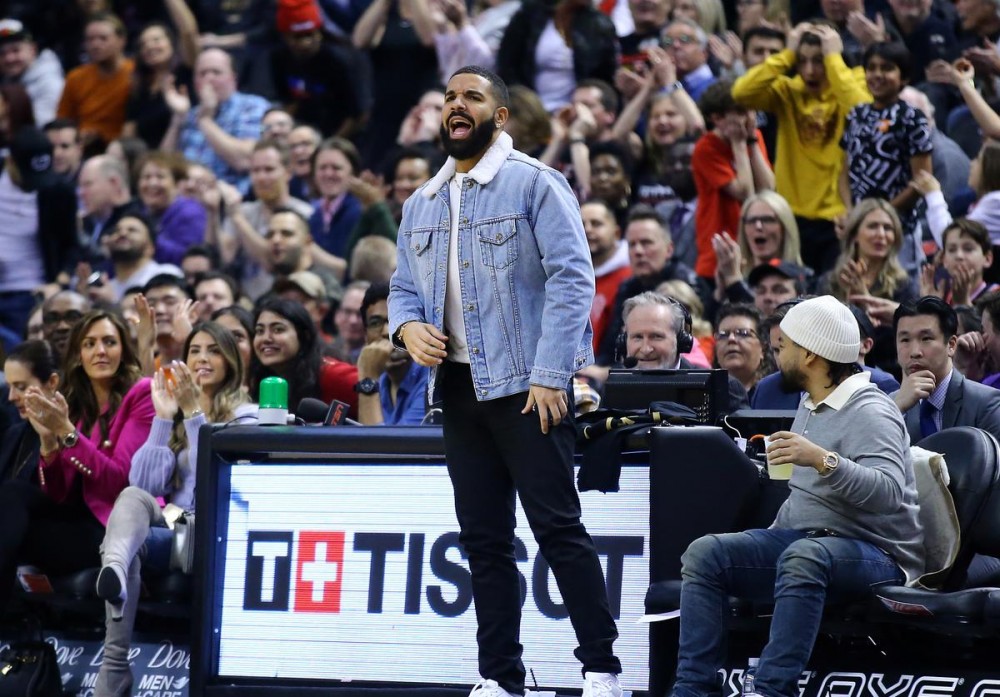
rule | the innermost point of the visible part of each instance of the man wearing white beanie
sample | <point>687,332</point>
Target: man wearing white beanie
<point>850,520</point>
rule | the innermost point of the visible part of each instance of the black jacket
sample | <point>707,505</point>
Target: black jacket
<point>595,44</point>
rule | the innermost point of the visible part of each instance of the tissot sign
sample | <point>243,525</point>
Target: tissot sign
<point>348,572</point>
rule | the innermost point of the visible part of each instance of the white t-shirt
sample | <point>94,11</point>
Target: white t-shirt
<point>21,263</point>
<point>454,320</point>
<point>555,77</point>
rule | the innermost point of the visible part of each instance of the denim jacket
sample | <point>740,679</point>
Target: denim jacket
<point>524,267</point>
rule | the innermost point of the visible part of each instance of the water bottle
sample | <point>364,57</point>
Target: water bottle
<point>748,677</point>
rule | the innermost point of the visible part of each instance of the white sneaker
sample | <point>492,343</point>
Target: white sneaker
<point>490,688</point>
<point>601,685</point>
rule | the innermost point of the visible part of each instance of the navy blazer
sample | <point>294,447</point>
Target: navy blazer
<point>967,403</point>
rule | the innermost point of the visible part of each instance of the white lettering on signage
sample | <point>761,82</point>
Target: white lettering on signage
<point>270,551</point>
<point>168,657</point>
<point>65,655</point>
<point>986,688</point>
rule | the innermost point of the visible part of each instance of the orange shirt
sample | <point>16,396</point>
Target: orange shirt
<point>97,101</point>
<point>712,165</point>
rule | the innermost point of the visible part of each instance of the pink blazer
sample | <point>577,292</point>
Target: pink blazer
<point>104,466</point>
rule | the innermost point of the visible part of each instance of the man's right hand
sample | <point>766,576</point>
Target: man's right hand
<point>425,342</point>
<point>829,39</point>
<point>795,35</point>
<point>373,359</point>
<point>915,386</point>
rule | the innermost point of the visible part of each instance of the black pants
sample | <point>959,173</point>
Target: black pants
<point>819,244</point>
<point>60,538</point>
<point>494,451</point>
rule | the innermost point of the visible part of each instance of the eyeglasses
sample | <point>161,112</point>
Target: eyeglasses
<point>735,334</point>
<point>748,3</point>
<point>70,317</point>
<point>760,220</point>
<point>376,322</point>
<point>684,40</point>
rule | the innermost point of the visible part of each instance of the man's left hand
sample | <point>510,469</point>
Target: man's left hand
<point>550,402</point>
<point>787,448</point>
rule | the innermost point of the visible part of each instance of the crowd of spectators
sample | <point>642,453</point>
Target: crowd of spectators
<point>186,168</point>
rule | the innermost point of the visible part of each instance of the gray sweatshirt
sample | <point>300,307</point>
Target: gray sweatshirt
<point>872,495</point>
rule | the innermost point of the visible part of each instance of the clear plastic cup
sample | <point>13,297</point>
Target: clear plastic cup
<point>777,472</point>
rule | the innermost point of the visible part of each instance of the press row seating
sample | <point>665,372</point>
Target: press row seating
<point>692,466</point>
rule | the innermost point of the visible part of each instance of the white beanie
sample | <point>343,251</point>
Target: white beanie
<point>826,327</point>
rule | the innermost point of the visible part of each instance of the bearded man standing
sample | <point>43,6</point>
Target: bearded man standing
<point>493,291</point>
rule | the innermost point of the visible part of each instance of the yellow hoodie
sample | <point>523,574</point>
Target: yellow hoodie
<point>809,157</point>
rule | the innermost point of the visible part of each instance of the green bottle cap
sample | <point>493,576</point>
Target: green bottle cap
<point>274,393</point>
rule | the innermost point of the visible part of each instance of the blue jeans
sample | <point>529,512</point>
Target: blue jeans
<point>784,566</point>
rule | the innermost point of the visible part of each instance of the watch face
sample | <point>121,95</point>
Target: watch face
<point>367,386</point>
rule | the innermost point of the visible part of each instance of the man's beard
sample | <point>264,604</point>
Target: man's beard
<point>126,256</point>
<point>289,263</point>
<point>474,144</point>
<point>792,381</point>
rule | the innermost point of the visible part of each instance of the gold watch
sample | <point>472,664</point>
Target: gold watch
<point>397,338</point>
<point>831,461</point>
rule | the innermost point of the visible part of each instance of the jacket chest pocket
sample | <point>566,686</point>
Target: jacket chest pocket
<point>498,243</point>
<point>419,242</point>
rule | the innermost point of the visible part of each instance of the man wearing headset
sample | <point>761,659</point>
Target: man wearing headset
<point>656,331</point>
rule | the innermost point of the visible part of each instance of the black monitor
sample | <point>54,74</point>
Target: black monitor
<point>752,422</point>
<point>706,391</point>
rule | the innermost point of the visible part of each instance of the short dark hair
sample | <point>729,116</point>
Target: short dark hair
<point>135,215</point>
<point>594,201</point>
<point>609,96</point>
<point>764,32</point>
<point>616,150</point>
<point>812,39</point>
<point>929,305</point>
<point>970,228</point>
<point>242,315</point>
<point>285,209</point>
<point>969,319</point>
<point>990,302</point>
<point>375,292</point>
<point>643,211</point>
<point>497,85</point>
<point>38,356</point>
<point>203,250</point>
<point>865,325</point>
<point>60,124</point>
<point>718,100</point>
<point>166,280</point>
<point>894,52</point>
<point>218,276</point>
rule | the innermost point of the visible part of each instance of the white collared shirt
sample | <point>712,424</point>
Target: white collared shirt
<point>843,392</point>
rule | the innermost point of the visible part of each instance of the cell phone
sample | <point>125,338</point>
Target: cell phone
<point>94,280</point>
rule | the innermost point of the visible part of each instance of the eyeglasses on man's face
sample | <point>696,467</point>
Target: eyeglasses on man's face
<point>735,334</point>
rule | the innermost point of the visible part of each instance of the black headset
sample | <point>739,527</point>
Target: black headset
<point>685,339</point>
